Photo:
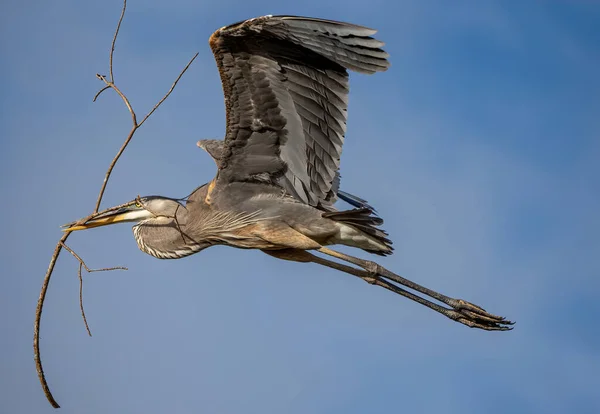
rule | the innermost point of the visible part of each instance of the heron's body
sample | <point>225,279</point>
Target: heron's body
<point>286,86</point>
<point>251,216</point>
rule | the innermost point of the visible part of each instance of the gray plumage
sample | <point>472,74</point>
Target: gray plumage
<point>287,97</point>
<point>215,148</point>
<point>285,82</point>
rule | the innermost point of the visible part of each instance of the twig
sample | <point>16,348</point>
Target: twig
<point>135,125</point>
<point>82,264</point>
<point>87,269</point>
<point>99,92</point>
<point>109,84</point>
<point>170,90</point>
<point>85,322</point>
<point>113,163</point>
<point>40,305</point>
<point>112,46</point>
<point>38,317</point>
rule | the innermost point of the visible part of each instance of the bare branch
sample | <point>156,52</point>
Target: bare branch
<point>114,162</point>
<point>99,92</point>
<point>135,125</point>
<point>38,318</point>
<point>85,322</point>
<point>82,264</point>
<point>170,90</point>
<point>40,305</point>
<point>112,46</point>
<point>109,84</point>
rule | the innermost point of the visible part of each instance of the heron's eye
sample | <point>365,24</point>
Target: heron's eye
<point>138,204</point>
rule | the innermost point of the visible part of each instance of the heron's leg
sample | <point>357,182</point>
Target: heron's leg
<point>468,319</point>
<point>377,269</point>
<point>460,305</point>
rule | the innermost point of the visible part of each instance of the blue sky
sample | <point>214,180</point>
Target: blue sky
<point>479,147</point>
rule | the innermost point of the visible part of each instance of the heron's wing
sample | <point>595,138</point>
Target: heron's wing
<point>214,147</point>
<point>286,96</point>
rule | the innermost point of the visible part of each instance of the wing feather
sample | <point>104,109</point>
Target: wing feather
<point>285,82</point>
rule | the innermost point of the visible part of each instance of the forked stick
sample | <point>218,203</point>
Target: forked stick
<point>109,84</point>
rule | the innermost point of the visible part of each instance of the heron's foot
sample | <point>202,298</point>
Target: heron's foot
<point>476,317</point>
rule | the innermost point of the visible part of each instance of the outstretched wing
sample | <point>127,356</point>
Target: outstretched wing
<point>286,95</point>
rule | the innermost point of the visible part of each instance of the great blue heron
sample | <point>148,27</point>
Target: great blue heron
<point>285,82</point>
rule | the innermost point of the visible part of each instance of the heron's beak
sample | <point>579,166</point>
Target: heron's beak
<point>125,214</point>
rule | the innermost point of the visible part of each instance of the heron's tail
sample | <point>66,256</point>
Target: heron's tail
<point>362,220</point>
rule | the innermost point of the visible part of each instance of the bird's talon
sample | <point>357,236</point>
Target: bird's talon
<point>483,321</point>
<point>486,318</point>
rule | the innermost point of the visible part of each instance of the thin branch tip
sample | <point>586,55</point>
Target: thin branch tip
<point>114,41</point>
<point>170,90</point>
<point>99,92</point>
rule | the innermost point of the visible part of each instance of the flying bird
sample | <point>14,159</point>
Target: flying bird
<point>285,81</point>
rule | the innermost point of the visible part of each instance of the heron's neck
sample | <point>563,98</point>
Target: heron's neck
<point>166,238</point>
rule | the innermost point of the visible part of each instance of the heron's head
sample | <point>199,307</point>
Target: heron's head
<point>140,210</point>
